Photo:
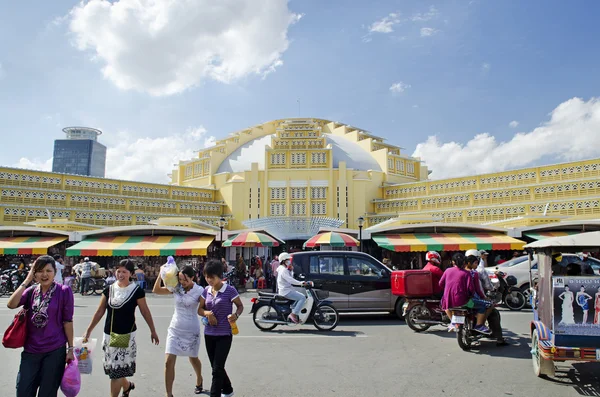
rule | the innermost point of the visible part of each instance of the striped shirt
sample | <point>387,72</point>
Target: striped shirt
<point>221,306</point>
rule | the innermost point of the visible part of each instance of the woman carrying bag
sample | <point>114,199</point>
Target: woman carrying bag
<point>119,344</point>
<point>49,336</point>
<point>183,335</point>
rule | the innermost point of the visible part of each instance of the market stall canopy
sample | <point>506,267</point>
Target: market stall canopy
<point>333,239</point>
<point>28,245</point>
<point>543,235</point>
<point>251,239</point>
<point>142,246</point>
<point>447,242</point>
<point>589,240</point>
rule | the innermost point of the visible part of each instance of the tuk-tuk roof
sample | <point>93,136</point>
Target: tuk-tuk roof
<point>588,240</point>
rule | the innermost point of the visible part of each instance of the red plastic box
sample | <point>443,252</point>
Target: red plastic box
<point>412,283</point>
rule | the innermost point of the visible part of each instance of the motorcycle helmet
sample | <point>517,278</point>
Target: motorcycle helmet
<point>284,256</point>
<point>433,257</point>
<point>473,252</point>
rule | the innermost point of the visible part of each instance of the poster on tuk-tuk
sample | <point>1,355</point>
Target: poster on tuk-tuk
<point>576,305</point>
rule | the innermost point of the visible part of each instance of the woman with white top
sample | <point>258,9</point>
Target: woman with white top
<point>183,335</point>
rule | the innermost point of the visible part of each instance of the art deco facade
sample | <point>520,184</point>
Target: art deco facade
<point>292,177</point>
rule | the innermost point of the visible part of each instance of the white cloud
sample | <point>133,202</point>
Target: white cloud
<point>428,32</point>
<point>485,67</point>
<point>425,16</point>
<point>399,87</point>
<point>164,47</point>
<point>34,164</point>
<point>570,134</point>
<point>385,24</point>
<point>513,124</point>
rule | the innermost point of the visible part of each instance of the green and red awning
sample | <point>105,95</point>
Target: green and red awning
<point>447,242</point>
<point>251,239</point>
<point>543,235</point>
<point>332,239</point>
<point>28,245</point>
<point>142,246</point>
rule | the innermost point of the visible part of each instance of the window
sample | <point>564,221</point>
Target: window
<point>298,193</point>
<point>333,265</point>
<point>278,193</point>
<point>363,267</point>
<point>390,164</point>
<point>298,209</point>
<point>410,168</point>
<point>298,158</point>
<point>277,209</point>
<point>318,208</point>
<point>399,165</point>
<point>318,192</point>
<point>319,158</point>
<point>278,158</point>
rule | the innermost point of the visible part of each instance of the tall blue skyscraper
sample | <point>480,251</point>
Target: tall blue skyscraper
<point>80,153</point>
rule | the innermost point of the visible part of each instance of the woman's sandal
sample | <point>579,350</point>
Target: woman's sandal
<point>131,387</point>
<point>198,390</point>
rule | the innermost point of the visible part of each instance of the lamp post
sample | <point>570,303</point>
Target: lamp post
<point>222,222</point>
<point>361,222</point>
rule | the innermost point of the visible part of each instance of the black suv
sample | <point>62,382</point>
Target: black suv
<point>352,281</point>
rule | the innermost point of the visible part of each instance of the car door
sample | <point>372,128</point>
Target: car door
<point>330,275</point>
<point>370,285</point>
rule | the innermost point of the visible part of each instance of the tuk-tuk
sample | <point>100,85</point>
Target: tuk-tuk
<point>566,304</point>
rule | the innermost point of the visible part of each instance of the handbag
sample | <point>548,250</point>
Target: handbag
<point>16,333</point>
<point>118,340</point>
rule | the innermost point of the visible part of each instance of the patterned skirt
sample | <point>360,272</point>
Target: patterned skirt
<point>119,362</point>
<point>183,343</point>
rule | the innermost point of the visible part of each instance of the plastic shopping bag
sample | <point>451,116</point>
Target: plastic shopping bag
<point>71,380</point>
<point>84,353</point>
<point>168,273</point>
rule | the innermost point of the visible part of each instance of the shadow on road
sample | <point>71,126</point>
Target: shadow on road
<point>370,320</point>
<point>519,347</point>
<point>583,377</point>
<point>317,332</point>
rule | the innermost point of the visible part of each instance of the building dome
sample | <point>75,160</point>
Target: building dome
<point>253,151</point>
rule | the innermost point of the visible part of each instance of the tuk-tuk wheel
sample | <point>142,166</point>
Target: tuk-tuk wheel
<point>541,367</point>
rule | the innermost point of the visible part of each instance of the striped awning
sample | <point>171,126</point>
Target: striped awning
<point>28,245</point>
<point>447,242</point>
<point>251,239</point>
<point>142,246</point>
<point>543,235</point>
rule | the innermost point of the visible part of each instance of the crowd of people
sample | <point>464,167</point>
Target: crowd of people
<point>50,308</point>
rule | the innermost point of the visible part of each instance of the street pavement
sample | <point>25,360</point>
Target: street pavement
<point>374,355</point>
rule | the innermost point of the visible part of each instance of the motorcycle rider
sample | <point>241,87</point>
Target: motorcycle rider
<point>285,281</point>
<point>434,263</point>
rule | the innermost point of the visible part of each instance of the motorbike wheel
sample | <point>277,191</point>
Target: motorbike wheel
<point>463,338</point>
<point>265,312</point>
<point>3,290</point>
<point>415,313</point>
<point>515,300</point>
<point>326,318</point>
<point>99,287</point>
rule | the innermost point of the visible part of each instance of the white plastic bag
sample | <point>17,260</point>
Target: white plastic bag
<point>168,273</point>
<point>84,352</point>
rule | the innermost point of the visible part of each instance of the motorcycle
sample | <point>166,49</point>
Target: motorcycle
<point>466,319</point>
<point>270,310</point>
<point>231,278</point>
<point>505,291</point>
<point>420,314</point>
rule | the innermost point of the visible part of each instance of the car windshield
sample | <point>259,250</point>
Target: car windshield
<point>514,262</point>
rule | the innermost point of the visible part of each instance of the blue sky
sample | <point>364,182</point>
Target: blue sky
<point>444,80</point>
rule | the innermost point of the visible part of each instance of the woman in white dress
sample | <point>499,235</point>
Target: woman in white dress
<point>567,306</point>
<point>183,335</point>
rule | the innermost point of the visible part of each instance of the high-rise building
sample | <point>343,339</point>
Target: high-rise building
<point>80,153</point>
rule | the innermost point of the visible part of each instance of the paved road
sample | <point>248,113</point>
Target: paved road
<point>364,356</point>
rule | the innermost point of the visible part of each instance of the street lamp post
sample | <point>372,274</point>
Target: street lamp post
<point>222,222</point>
<point>361,222</point>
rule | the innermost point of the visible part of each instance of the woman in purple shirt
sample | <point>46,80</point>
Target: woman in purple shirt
<point>216,306</point>
<point>49,343</point>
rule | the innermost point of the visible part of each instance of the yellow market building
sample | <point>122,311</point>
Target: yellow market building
<point>294,177</point>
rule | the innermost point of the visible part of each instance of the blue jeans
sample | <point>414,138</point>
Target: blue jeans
<point>300,300</point>
<point>41,373</point>
<point>85,284</point>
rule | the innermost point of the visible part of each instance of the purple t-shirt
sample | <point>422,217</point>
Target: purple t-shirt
<point>458,287</point>
<point>221,306</point>
<point>60,310</point>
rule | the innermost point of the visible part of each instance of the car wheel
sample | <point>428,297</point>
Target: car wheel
<point>398,309</point>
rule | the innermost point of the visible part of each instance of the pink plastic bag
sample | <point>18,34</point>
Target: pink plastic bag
<point>71,380</point>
